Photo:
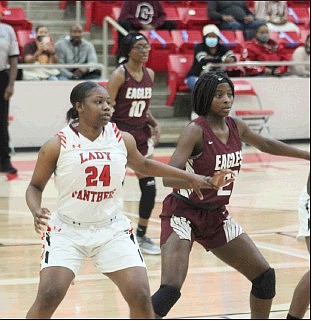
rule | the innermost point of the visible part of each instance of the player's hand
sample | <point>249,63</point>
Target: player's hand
<point>41,219</point>
<point>222,178</point>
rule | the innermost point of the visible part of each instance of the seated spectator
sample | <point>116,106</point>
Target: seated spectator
<point>300,54</point>
<point>234,15</point>
<point>275,14</point>
<point>143,15</point>
<point>73,49</point>
<point>207,52</point>
<point>40,51</point>
<point>262,48</point>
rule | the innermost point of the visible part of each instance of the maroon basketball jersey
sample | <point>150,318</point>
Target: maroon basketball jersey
<point>132,101</point>
<point>215,156</point>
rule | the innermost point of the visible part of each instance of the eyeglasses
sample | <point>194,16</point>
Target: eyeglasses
<point>142,47</point>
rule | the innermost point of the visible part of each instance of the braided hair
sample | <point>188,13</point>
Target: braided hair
<point>77,95</point>
<point>205,89</point>
<point>127,44</point>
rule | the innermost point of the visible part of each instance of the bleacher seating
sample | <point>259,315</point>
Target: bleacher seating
<point>185,40</point>
<point>16,17</point>
<point>162,46</point>
<point>193,17</point>
<point>23,37</point>
<point>178,67</point>
<point>234,40</point>
<point>299,16</point>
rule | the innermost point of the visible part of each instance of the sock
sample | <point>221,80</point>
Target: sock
<point>141,230</point>
<point>290,317</point>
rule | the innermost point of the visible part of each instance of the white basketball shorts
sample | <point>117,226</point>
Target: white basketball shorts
<point>112,247</point>
<point>304,215</point>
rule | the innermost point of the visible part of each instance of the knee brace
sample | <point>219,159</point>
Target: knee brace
<point>148,193</point>
<point>263,286</point>
<point>164,299</point>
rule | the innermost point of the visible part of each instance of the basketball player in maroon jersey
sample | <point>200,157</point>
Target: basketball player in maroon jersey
<point>130,90</point>
<point>209,143</point>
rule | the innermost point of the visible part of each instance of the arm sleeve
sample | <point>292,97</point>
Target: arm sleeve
<point>159,14</point>
<point>128,9</point>
<point>212,11</point>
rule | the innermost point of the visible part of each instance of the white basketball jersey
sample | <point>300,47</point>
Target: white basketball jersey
<point>89,174</point>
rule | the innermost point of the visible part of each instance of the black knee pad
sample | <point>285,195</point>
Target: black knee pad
<point>164,299</point>
<point>263,286</point>
<point>148,193</point>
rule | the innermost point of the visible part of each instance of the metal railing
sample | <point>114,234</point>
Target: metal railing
<point>108,20</point>
<point>59,66</point>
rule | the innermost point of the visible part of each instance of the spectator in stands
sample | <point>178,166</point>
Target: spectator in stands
<point>234,15</point>
<point>262,48</point>
<point>207,52</point>
<point>73,49</point>
<point>40,51</point>
<point>143,15</point>
<point>275,14</point>
<point>300,54</point>
<point>9,53</point>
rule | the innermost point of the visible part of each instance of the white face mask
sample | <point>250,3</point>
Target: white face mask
<point>211,41</point>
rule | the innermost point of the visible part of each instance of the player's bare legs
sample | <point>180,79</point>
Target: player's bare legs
<point>53,285</point>
<point>174,265</point>
<point>133,285</point>
<point>301,298</point>
<point>242,254</point>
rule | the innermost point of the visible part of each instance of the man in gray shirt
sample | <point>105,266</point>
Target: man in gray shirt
<point>75,50</point>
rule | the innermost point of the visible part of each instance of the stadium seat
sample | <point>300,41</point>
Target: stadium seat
<point>178,67</point>
<point>299,16</point>
<point>23,37</point>
<point>162,46</point>
<point>96,11</point>
<point>234,40</point>
<point>192,17</point>
<point>256,117</point>
<point>287,40</point>
<point>185,40</point>
<point>172,14</point>
<point>16,17</point>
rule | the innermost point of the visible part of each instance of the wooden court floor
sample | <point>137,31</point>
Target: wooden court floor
<point>264,202</point>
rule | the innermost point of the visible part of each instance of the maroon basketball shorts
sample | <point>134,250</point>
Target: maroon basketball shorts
<point>143,140</point>
<point>209,227</point>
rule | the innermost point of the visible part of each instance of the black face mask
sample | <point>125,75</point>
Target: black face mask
<point>75,42</point>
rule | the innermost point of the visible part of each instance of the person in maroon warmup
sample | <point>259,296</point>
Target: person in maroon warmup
<point>143,15</point>
<point>130,90</point>
<point>210,143</point>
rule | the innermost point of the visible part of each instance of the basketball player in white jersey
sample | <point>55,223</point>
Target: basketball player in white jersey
<point>301,298</point>
<point>88,158</point>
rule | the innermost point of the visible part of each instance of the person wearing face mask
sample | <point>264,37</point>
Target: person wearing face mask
<point>300,54</point>
<point>207,52</point>
<point>73,49</point>
<point>262,48</point>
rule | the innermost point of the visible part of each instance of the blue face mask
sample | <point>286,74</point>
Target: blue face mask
<point>211,41</point>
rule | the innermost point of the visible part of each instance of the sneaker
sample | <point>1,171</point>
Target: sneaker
<point>147,246</point>
<point>8,168</point>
